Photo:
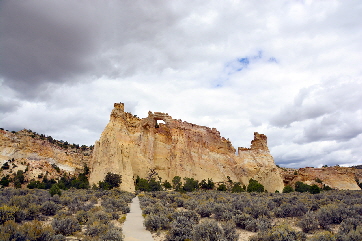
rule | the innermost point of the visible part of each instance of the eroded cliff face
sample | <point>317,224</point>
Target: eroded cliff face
<point>35,154</point>
<point>341,178</point>
<point>131,146</point>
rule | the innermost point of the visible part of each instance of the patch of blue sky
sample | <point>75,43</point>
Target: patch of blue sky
<point>240,64</point>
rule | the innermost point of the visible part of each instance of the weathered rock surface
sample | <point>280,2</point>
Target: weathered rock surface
<point>131,146</point>
<point>342,178</point>
<point>35,154</point>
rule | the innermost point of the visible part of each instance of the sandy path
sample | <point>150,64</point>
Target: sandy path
<point>133,228</point>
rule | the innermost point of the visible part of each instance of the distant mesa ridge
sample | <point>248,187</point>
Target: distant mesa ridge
<point>131,146</point>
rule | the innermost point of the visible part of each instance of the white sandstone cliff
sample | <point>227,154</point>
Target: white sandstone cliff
<point>131,147</point>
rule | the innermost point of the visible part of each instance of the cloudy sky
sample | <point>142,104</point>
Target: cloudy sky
<point>288,69</point>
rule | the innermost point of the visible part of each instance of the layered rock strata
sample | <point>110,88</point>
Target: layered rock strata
<point>131,147</point>
<point>26,147</point>
<point>341,178</point>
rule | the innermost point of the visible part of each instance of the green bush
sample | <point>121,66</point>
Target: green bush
<point>167,184</point>
<point>301,187</point>
<point>190,184</point>
<point>176,183</point>
<point>55,190</point>
<point>113,180</point>
<point>209,185</point>
<point>314,189</point>
<point>255,186</point>
<point>222,187</point>
<point>237,188</point>
<point>288,189</point>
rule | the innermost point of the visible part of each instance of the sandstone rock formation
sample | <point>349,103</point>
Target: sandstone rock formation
<point>131,146</point>
<point>35,154</point>
<point>342,178</point>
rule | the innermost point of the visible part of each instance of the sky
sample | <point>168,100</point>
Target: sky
<point>288,69</point>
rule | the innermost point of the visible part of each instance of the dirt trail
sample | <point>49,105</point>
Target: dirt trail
<point>133,228</point>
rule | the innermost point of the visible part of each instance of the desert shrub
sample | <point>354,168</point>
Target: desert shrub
<point>230,231</point>
<point>288,189</point>
<point>257,209</point>
<point>65,225</point>
<point>180,229</point>
<point>209,230</point>
<point>115,216</point>
<point>7,213</point>
<point>242,219</point>
<point>9,231</point>
<point>189,215</point>
<point>279,233</point>
<point>32,212</point>
<point>112,234</point>
<point>101,217</point>
<point>323,236</point>
<point>256,225</point>
<point>309,222</point>
<point>254,186</point>
<point>353,235</point>
<point>223,211</point>
<point>205,210</point>
<point>95,229</point>
<point>31,231</point>
<point>114,205</point>
<point>289,210</point>
<point>82,217</point>
<point>49,208</point>
<point>179,201</point>
<point>333,214</point>
<point>349,224</point>
<point>191,204</point>
<point>35,231</point>
<point>154,222</point>
<point>20,201</point>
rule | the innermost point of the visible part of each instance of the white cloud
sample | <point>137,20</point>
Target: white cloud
<point>68,62</point>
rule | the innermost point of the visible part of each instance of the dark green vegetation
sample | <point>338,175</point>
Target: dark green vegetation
<point>215,215</point>
<point>190,184</point>
<point>27,214</point>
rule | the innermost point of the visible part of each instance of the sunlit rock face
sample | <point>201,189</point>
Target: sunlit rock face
<point>34,155</point>
<point>131,147</point>
<point>336,177</point>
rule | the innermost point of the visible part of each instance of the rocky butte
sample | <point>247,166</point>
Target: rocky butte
<point>131,146</point>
